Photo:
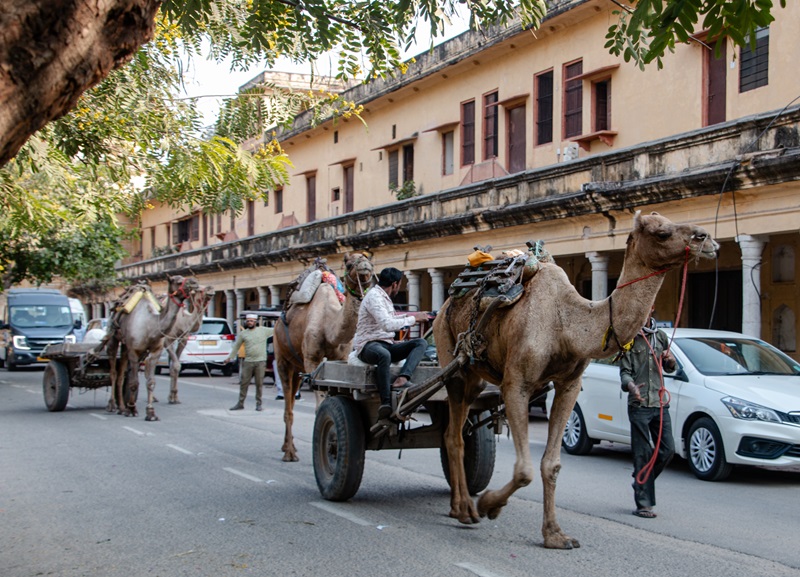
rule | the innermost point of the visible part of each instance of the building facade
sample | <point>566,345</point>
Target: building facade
<point>516,135</point>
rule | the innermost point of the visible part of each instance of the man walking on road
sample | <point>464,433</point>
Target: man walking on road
<point>254,363</point>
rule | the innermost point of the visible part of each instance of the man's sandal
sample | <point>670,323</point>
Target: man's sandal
<point>645,513</point>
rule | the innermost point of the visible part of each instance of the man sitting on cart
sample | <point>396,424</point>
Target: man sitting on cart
<point>374,341</point>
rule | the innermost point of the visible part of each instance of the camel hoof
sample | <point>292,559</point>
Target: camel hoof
<point>290,458</point>
<point>174,402</point>
<point>466,517</point>
<point>151,418</point>
<point>561,542</point>
<point>484,510</point>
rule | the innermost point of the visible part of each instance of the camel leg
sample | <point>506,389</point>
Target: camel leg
<point>461,505</point>
<point>130,388</point>
<point>113,374</point>
<point>175,370</point>
<point>491,503</point>
<point>291,384</point>
<point>150,379</point>
<point>563,402</point>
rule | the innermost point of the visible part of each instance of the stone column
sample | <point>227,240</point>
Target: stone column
<point>413,290</point>
<point>751,247</point>
<point>230,306</point>
<point>599,264</point>
<point>240,295</point>
<point>107,309</point>
<point>274,295</point>
<point>437,288</point>
<point>211,309</point>
<point>262,297</point>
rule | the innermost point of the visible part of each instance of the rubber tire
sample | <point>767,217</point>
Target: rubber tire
<point>338,448</point>
<point>575,440</point>
<point>480,450</point>
<point>227,370</point>
<point>2,363</point>
<point>158,370</point>
<point>704,438</point>
<point>55,386</point>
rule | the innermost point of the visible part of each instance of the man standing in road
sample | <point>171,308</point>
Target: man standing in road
<point>648,411</point>
<point>254,339</point>
<point>374,339</point>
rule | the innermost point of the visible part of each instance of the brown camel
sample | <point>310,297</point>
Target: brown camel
<point>550,334</point>
<point>320,329</point>
<point>188,321</point>
<point>140,333</point>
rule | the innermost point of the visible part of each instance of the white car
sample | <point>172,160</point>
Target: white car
<point>734,400</point>
<point>205,349</point>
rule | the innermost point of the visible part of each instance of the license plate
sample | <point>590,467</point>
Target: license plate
<point>208,343</point>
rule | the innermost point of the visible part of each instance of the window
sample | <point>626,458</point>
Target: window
<point>468,132</point>
<point>408,163</point>
<point>602,104</point>
<point>490,125</point>
<point>573,100</point>
<point>251,218</point>
<point>336,194</point>
<point>394,171</point>
<point>544,107</point>
<point>278,200</point>
<point>186,230</point>
<point>335,136</point>
<point>311,198</point>
<point>754,69</point>
<point>447,152</point>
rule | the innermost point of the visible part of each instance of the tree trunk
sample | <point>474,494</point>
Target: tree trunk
<point>51,51</point>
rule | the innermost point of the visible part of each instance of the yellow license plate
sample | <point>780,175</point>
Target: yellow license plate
<point>208,343</point>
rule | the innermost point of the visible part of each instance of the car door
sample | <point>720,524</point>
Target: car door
<point>602,402</point>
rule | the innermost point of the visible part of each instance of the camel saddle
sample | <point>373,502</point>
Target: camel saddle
<point>296,287</point>
<point>502,279</point>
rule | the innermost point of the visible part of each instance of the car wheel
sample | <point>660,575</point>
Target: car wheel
<point>706,452</point>
<point>10,364</point>
<point>575,440</point>
<point>227,370</point>
<point>158,370</point>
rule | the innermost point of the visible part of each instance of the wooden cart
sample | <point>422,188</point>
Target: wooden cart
<point>346,426</point>
<point>72,365</point>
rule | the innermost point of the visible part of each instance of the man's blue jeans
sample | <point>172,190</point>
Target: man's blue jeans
<point>383,354</point>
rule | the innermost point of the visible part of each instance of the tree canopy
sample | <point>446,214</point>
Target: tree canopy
<point>90,125</point>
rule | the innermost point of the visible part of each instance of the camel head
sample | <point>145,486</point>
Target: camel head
<point>202,297</point>
<point>358,272</point>
<point>182,288</point>
<point>661,244</point>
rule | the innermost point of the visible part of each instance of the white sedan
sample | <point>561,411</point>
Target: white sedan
<point>734,400</point>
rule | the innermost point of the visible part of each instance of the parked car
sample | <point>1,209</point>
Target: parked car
<point>205,349</point>
<point>734,400</point>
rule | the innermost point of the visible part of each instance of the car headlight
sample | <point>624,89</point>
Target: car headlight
<point>750,411</point>
<point>70,339</point>
<point>20,342</point>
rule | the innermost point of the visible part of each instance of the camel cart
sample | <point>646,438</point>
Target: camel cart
<point>345,425</point>
<point>72,365</point>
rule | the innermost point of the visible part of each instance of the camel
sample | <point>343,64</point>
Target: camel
<point>188,321</point>
<point>550,334</point>
<point>140,333</point>
<point>320,329</point>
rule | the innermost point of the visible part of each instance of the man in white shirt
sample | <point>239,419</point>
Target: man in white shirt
<point>374,339</point>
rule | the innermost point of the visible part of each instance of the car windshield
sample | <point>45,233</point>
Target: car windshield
<point>736,356</point>
<point>40,316</point>
<point>214,328</point>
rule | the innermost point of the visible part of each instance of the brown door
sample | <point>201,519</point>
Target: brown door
<point>716,70</point>
<point>349,172</point>
<point>516,139</point>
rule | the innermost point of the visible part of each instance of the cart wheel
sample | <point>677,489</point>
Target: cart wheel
<point>338,448</point>
<point>56,386</point>
<point>479,454</point>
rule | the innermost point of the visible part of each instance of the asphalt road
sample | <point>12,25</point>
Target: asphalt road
<point>203,492</point>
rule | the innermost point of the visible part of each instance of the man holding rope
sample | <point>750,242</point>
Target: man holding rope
<point>641,374</point>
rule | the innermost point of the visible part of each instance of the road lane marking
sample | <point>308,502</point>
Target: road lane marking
<point>341,512</point>
<point>101,417</point>
<point>34,392</point>
<point>132,430</point>
<point>243,475</point>
<point>180,450</point>
<point>478,570</point>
